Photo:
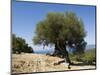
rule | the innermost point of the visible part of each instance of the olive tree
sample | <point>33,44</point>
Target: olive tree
<point>61,30</point>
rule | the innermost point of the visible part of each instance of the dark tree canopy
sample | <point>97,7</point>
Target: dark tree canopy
<point>19,45</point>
<point>61,30</point>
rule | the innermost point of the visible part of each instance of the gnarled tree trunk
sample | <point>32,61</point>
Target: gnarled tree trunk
<point>60,50</point>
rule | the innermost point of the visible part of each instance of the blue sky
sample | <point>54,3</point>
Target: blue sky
<point>25,16</point>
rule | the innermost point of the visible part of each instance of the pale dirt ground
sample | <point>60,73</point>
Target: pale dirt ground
<point>26,63</point>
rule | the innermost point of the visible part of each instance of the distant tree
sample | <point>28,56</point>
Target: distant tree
<point>19,45</point>
<point>61,30</point>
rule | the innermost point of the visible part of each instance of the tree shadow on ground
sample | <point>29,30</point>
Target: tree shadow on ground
<point>75,64</point>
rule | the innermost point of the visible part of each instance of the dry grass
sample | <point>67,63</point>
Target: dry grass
<point>26,63</point>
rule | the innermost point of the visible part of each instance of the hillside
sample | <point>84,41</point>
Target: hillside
<point>89,47</point>
<point>26,63</point>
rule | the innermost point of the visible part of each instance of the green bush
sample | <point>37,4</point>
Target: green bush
<point>19,45</point>
<point>88,57</point>
<point>76,57</point>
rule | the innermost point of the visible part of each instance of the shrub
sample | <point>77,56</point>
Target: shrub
<point>19,45</point>
<point>89,57</point>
